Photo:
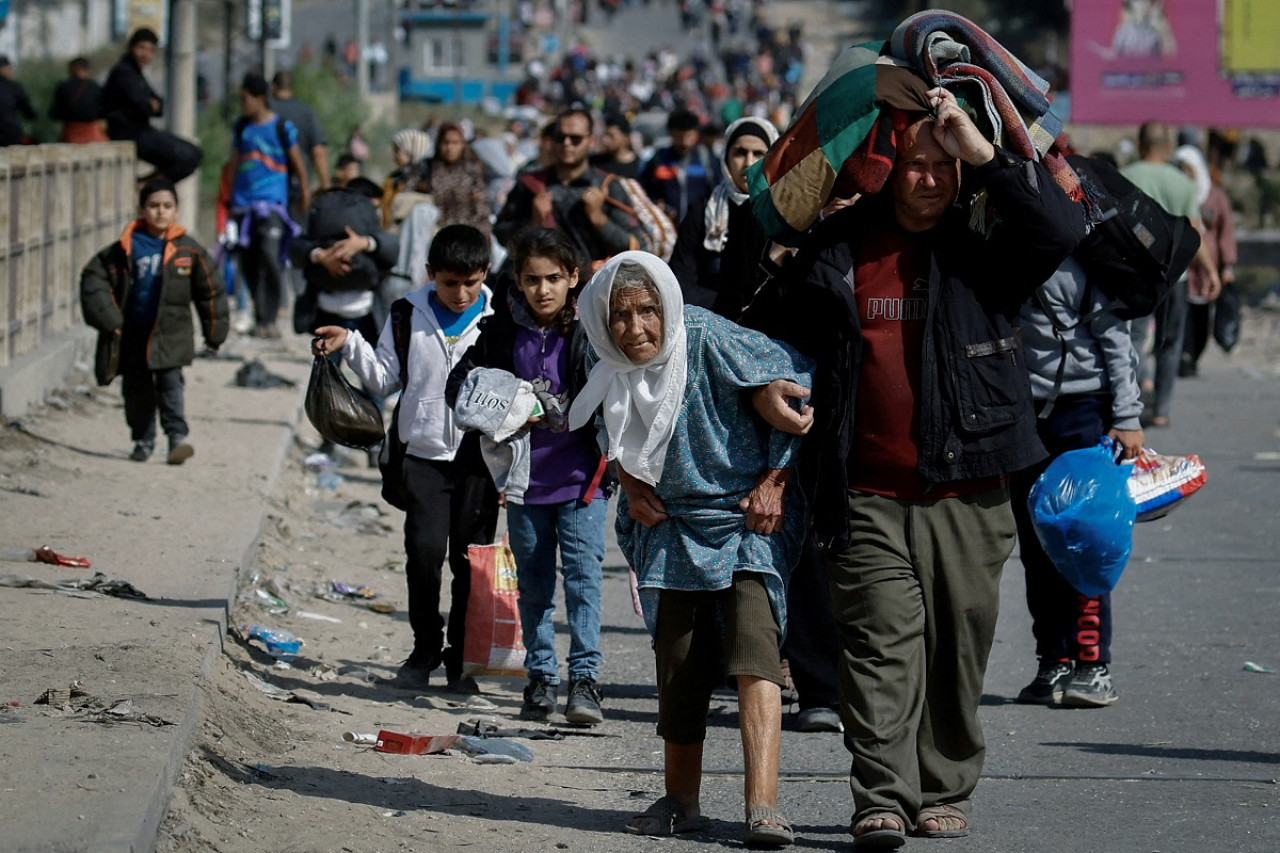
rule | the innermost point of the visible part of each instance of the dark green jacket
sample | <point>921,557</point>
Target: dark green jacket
<point>188,278</point>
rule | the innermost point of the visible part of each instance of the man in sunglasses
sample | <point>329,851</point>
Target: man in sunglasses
<point>572,195</point>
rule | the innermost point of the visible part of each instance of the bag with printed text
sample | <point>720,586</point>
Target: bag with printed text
<point>493,644</point>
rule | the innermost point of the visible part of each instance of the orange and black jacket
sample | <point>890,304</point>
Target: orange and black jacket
<point>188,278</point>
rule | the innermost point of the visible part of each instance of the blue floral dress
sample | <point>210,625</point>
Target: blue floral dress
<point>718,452</point>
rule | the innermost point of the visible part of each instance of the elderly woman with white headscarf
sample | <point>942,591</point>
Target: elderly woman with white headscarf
<point>1219,236</point>
<point>706,520</point>
<point>719,248</point>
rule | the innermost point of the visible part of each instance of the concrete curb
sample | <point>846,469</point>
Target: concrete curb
<point>30,378</point>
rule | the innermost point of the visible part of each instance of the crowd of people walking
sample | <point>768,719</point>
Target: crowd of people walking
<point>820,445</point>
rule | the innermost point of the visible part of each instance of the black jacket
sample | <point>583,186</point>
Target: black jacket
<point>976,418</point>
<point>126,100</point>
<point>189,279</point>
<point>724,281</point>
<point>332,212</point>
<point>76,100</point>
<point>13,102</point>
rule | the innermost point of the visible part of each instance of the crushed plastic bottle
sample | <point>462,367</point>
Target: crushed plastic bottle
<point>476,747</point>
<point>281,645</point>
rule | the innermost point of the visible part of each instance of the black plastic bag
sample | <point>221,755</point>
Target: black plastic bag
<point>340,412</point>
<point>1226,318</point>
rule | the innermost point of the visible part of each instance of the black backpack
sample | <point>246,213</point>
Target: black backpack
<point>1138,251</point>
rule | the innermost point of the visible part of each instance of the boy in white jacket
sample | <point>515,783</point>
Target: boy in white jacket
<point>452,502</point>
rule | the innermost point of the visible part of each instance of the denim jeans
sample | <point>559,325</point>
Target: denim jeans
<point>578,528</point>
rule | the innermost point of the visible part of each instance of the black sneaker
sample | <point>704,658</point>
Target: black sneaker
<point>142,451</point>
<point>1048,685</point>
<point>583,705</point>
<point>1090,687</point>
<point>539,701</point>
<point>414,673</point>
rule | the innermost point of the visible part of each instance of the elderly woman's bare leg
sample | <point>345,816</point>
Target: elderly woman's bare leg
<point>760,721</point>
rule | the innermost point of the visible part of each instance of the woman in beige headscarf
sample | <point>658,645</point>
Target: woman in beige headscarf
<point>410,149</point>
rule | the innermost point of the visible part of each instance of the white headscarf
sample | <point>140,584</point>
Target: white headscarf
<point>726,196</point>
<point>413,142</point>
<point>641,401</point>
<point>1194,160</point>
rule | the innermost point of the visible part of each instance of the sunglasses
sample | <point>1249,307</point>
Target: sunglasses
<point>571,138</point>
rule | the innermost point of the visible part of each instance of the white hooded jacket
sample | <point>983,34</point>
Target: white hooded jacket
<point>426,422</point>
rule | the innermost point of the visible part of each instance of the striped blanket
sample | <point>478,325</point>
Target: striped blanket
<point>1009,98</point>
<point>838,145</point>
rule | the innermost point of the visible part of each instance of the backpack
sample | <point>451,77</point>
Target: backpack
<point>1138,251</point>
<point>391,455</point>
<point>659,232</point>
<point>282,135</point>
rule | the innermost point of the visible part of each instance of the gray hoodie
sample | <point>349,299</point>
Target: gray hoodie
<point>1100,356</point>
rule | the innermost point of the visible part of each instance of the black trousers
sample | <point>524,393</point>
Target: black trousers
<point>1066,624</point>
<point>147,391</point>
<point>812,645</point>
<point>451,505</point>
<point>172,156</point>
<point>263,268</point>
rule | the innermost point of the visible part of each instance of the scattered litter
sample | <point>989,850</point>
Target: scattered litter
<point>352,591</point>
<point>319,617</point>
<point>482,730</point>
<point>125,711</point>
<point>58,697</point>
<point>280,644</point>
<point>381,607</point>
<point>479,703</point>
<point>494,746</point>
<point>324,672</point>
<point>318,460</point>
<point>397,780</point>
<point>396,743</point>
<point>358,673</point>
<point>23,490</point>
<point>1250,666</point>
<point>99,583</point>
<point>328,480</point>
<point>360,738</point>
<point>363,517</point>
<point>400,813</point>
<point>493,758</point>
<point>274,604</point>
<point>300,697</point>
<point>254,374</point>
<point>43,554</point>
<point>268,688</point>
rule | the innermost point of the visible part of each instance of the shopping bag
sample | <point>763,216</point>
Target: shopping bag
<point>1226,318</point>
<point>1160,484</point>
<point>339,411</point>
<point>1083,515</point>
<point>492,643</point>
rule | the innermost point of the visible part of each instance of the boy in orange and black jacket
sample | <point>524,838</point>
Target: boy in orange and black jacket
<point>138,293</point>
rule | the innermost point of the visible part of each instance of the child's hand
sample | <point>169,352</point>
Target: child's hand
<point>328,339</point>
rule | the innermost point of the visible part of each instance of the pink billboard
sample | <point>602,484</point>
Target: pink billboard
<point>1206,62</point>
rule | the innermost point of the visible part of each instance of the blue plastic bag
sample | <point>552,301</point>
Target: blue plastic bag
<point>1084,515</point>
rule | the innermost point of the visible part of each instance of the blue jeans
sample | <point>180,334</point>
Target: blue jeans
<point>578,528</point>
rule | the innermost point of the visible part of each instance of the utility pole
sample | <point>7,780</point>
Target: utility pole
<point>182,88</point>
<point>362,44</point>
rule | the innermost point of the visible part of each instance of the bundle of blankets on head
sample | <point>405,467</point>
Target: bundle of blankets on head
<point>844,138</point>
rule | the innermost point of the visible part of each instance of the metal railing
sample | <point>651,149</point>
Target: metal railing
<point>59,204</point>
